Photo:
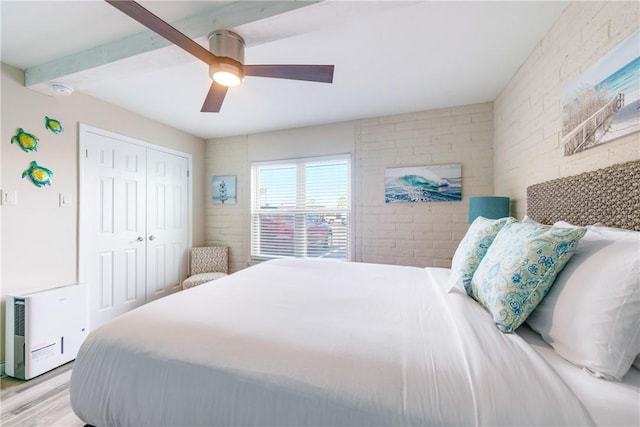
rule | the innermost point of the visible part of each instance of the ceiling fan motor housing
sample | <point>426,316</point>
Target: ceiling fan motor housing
<point>227,44</point>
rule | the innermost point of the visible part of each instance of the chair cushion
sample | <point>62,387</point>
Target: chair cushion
<point>199,279</point>
<point>209,259</point>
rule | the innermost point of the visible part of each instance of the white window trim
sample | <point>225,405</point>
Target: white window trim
<point>256,259</point>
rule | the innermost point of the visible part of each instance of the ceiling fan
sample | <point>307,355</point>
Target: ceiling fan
<point>225,58</point>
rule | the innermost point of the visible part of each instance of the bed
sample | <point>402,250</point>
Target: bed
<point>329,343</point>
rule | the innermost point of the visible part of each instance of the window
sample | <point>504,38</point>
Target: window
<point>301,208</point>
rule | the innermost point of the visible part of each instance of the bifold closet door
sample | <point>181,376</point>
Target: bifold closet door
<point>167,223</point>
<point>114,196</point>
<point>134,222</point>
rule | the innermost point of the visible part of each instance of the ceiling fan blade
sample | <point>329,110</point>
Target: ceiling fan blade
<point>213,101</point>
<point>157,25</point>
<point>311,73</point>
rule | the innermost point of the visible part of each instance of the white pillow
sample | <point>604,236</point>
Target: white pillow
<point>591,315</point>
<point>528,220</point>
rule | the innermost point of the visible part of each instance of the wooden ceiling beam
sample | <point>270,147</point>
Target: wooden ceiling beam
<point>226,16</point>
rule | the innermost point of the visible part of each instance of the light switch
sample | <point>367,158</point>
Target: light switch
<point>9,198</point>
<point>65,200</point>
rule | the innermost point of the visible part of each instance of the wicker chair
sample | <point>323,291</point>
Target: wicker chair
<point>207,264</point>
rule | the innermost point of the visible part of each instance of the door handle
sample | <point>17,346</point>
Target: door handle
<point>152,237</point>
<point>140,239</point>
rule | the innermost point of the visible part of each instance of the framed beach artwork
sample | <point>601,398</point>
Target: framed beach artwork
<point>434,183</point>
<point>603,103</point>
<point>224,190</point>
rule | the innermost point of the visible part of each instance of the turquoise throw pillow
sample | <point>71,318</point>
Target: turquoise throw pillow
<point>519,269</point>
<point>473,248</point>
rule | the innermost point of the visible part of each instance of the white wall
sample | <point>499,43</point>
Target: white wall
<point>337,138</point>
<point>422,234</point>
<point>39,239</point>
<point>527,122</point>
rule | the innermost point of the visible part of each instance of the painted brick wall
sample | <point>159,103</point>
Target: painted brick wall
<point>420,234</point>
<point>228,225</point>
<point>527,113</point>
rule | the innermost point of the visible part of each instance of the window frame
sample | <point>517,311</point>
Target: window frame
<point>298,212</point>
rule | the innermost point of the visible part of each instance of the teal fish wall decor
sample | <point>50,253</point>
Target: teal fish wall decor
<point>53,125</point>
<point>26,141</point>
<point>39,175</point>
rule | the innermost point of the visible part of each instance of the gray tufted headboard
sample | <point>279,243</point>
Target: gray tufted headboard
<point>609,196</point>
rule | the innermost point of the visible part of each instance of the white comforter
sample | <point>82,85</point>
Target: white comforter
<point>316,343</point>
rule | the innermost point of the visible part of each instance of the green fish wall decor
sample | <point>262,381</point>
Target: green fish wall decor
<point>38,175</point>
<point>53,125</point>
<point>25,140</point>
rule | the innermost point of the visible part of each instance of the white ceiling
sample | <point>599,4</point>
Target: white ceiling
<point>390,57</point>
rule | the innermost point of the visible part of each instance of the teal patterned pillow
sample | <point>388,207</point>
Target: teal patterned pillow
<point>519,269</point>
<point>474,246</point>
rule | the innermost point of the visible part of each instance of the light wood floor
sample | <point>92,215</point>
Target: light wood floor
<point>40,402</point>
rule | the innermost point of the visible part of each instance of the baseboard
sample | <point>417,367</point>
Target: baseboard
<point>2,371</point>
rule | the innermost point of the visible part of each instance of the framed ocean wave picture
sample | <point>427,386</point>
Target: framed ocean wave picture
<point>432,183</point>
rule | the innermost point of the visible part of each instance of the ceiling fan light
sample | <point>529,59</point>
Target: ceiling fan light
<point>227,73</point>
<point>226,78</point>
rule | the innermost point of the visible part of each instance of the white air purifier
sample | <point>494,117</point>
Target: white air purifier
<point>44,329</point>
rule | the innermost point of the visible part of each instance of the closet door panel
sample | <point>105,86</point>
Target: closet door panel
<point>114,186</point>
<point>167,222</point>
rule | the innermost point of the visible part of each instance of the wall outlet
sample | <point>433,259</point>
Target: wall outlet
<point>9,198</point>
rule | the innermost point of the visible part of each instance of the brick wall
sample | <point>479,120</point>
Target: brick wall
<point>228,225</point>
<point>527,113</point>
<point>421,234</point>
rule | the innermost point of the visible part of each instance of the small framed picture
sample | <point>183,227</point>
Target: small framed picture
<point>224,190</point>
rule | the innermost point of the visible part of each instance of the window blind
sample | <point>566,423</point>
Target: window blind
<point>301,208</point>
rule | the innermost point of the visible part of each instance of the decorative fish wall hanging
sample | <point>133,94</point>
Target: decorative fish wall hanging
<point>26,141</point>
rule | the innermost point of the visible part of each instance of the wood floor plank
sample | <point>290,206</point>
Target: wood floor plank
<point>46,412</point>
<point>40,402</point>
<point>27,393</point>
